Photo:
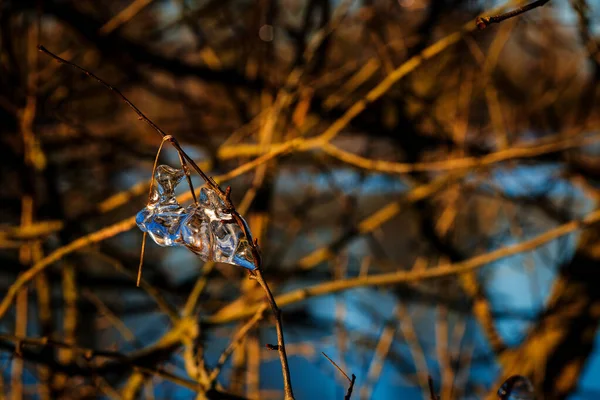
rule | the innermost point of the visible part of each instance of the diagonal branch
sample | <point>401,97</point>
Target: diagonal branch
<point>393,278</point>
<point>484,22</point>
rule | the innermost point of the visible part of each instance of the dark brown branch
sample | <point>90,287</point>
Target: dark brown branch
<point>484,22</point>
<point>209,181</point>
<point>287,380</point>
<point>351,387</point>
<point>20,347</point>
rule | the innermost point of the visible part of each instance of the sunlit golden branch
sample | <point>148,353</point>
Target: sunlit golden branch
<point>393,278</point>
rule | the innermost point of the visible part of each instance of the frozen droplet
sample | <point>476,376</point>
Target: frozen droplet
<point>207,228</point>
<point>516,387</point>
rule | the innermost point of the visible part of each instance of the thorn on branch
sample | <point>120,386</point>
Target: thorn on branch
<point>272,346</point>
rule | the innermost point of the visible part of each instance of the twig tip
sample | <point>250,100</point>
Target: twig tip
<point>482,22</point>
<point>337,366</point>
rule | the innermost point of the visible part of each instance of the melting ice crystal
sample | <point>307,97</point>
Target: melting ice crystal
<point>205,228</point>
<point>516,387</point>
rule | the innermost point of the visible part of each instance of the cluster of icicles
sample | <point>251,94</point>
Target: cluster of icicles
<point>206,228</point>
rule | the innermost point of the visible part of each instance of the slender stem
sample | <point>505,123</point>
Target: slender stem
<point>186,170</point>
<point>337,366</point>
<point>352,381</point>
<point>287,381</point>
<point>209,181</point>
<point>484,22</point>
<point>145,235</point>
<point>141,263</point>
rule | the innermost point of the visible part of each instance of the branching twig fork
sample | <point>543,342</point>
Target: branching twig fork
<point>352,381</point>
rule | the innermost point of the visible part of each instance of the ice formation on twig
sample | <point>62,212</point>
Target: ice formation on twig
<point>207,228</point>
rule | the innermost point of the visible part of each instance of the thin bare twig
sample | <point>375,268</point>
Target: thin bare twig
<point>287,380</point>
<point>352,381</point>
<point>209,181</point>
<point>89,354</point>
<point>484,22</point>
<point>145,234</point>
<point>337,366</point>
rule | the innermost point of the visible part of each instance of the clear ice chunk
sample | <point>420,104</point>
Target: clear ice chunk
<point>206,228</point>
<point>213,233</point>
<point>516,387</point>
<point>163,214</point>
